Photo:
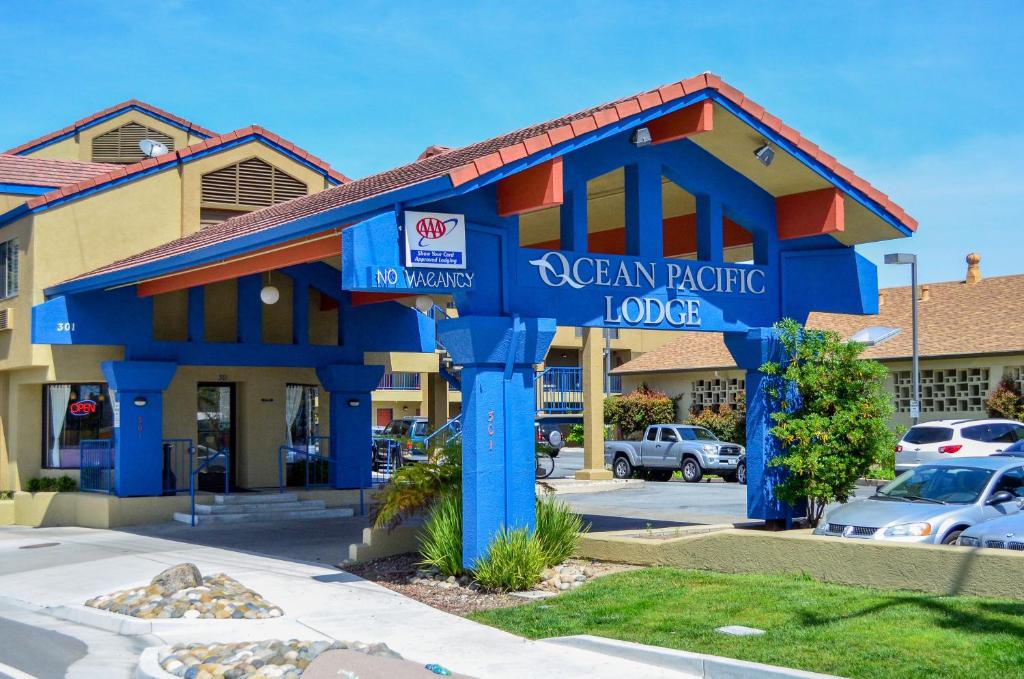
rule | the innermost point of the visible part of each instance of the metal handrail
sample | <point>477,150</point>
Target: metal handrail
<point>191,457</point>
<point>105,449</point>
<point>194,476</point>
<point>307,456</point>
<point>452,426</point>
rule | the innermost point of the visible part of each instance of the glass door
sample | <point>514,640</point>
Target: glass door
<point>215,422</point>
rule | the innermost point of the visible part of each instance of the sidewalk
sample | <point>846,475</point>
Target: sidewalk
<point>317,601</point>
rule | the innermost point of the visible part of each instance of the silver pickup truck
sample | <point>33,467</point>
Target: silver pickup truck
<point>664,448</point>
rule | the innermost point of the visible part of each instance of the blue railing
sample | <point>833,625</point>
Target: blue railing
<point>207,464</point>
<point>560,390</point>
<point>179,458</point>
<point>97,473</point>
<point>308,464</point>
<point>408,381</point>
<point>445,434</point>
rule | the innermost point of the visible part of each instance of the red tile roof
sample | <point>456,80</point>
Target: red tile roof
<point>84,122</point>
<point>46,172</point>
<point>467,163</point>
<point>122,171</point>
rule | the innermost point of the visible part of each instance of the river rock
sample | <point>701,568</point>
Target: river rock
<point>177,578</point>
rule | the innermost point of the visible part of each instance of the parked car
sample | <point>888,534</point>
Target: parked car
<point>931,441</point>
<point>405,439</point>
<point>553,431</point>
<point>1006,532</point>
<point>933,503</point>
<point>664,448</point>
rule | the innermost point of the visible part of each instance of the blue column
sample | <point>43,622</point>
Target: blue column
<point>497,355</point>
<point>710,237</point>
<point>351,421</point>
<point>643,210</point>
<point>138,424</point>
<point>751,350</point>
<point>573,216</point>
<point>250,310</point>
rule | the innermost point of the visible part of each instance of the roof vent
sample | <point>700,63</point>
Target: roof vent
<point>926,291</point>
<point>973,270</point>
<point>874,335</point>
<point>433,150</point>
<point>881,298</point>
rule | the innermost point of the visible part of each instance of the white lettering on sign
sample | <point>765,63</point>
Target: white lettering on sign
<point>435,240</point>
<point>679,313</point>
<point>65,326</point>
<point>555,271</point>
<point>388,277</point>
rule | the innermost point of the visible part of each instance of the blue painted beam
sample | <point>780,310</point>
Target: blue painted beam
<point>710,247</point>
<point>197,314</point>
<point>643,210</point>
<point>250,309</point>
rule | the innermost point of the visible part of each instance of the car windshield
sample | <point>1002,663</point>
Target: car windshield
<point>419,429</point>
<point>935,483</point>
<point>701,434</point>
<point>1017,447</point>
<point>921,435</point>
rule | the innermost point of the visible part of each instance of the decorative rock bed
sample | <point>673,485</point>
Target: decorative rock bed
<point>556,579</point>
<point>255,659</point>
<point>180,592</point>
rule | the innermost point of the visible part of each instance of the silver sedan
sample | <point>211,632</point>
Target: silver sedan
<point>933,503</point>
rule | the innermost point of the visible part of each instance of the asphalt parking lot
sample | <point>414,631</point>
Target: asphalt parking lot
<point>656,505</point>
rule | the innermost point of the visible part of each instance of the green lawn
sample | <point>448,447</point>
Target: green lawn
<point>848,631</point>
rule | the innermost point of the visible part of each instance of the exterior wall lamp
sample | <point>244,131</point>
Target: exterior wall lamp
<point>911,259</point>
<point>765,153</point>
<point>269,294</point>
<point>641,137</point>
<point>140,401</point>
<point>353,403</point>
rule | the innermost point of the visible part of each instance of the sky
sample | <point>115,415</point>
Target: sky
<point>922,99</point>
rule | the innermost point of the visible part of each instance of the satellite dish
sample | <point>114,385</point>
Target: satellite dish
<point>152,149</point>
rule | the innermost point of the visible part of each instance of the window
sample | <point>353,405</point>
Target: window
<point>652,434</point>
<point>9,268</point>
<point>922,435</point>
<point>301,414</point>
<point>73,413</point>
<point>122,145</point>
<point>1012,482</point>
<point>990,433</point>
<point>668,435</point>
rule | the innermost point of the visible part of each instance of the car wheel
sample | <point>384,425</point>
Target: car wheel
<point>661,474</point>
<point>622,469</point>
<point>692,473</point>
<point>741,473</point>
<point>952,537</point>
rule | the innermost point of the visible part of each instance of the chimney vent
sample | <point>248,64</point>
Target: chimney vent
<point>881,298</point>
<point>973,270</point>
<point>434,150</point>
<point>925,293</point>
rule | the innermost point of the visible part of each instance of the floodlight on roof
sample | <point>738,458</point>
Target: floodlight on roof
<point>641,137</point>
<point>765,153</point>
<point>874,335</point>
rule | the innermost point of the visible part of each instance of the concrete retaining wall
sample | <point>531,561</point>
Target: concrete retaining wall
<point>885,565</point>
<point>6,512</point>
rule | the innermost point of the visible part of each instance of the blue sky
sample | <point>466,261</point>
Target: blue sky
<point>922,99</point>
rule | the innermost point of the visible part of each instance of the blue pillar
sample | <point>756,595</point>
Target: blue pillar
<point>497,355</point>
<point>573,216</point>
<point>197,314</point>
<point>351,421</point>
<point>751,350</point>
<point>710,236</point>
<point>644,211</point>
<point>250,310</point>
<point>138,424</point>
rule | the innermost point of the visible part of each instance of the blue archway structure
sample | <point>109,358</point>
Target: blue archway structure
<point>450,224</point>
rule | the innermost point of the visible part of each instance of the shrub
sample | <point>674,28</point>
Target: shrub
<point>6,494</point>
<point>575,437</point>
<point>633,412</point>
<point>48,484</point>
<point>441,540</point>
<point>558,529</point>
<point>1006,401</point>
<point>831,413</point>
<point>513,562</point>
<point>725,422</point>
<point>415,487</point>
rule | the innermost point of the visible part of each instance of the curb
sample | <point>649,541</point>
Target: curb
<point>127,626</point>
<point>574,487</point>
<point>695,664</point>
<point>149,666</point>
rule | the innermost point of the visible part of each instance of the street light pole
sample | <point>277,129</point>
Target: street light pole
<point>906,258</point>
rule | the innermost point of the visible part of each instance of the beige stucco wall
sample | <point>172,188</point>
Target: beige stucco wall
<point>886,565</point>
<point>9,201</point>
<point>7,512</point>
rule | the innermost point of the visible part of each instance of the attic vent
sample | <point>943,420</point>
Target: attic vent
<point>248,185</point>
<point>122,145</point>
<point>6,319</point>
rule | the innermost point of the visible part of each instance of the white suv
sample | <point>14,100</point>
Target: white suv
<point>942,439</point>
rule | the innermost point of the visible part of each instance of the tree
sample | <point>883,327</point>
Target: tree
<point>831,416</point>
<point>1006,400</point>
<point>637,410</point>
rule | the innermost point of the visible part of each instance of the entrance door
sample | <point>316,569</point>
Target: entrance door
<point>215,423</point>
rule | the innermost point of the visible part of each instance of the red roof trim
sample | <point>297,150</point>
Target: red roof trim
<point>85,122</point>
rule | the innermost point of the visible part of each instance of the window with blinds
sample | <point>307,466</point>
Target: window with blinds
<point>248,185</point>
<point>122,145</point>
<point>9,268</point>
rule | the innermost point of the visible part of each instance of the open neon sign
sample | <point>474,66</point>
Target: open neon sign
<point>82,408</point>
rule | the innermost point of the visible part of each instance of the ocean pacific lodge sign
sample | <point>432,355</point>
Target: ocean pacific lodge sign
<point>638,293</point>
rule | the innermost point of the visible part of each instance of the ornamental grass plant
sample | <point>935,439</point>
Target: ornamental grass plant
<point>513,562</point>
<point>441,540</point>
<point>558,529</point>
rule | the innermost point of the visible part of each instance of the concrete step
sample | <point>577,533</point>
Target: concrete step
<point>252,517</point>
<point>261,507</point>
<point>254,498</point>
